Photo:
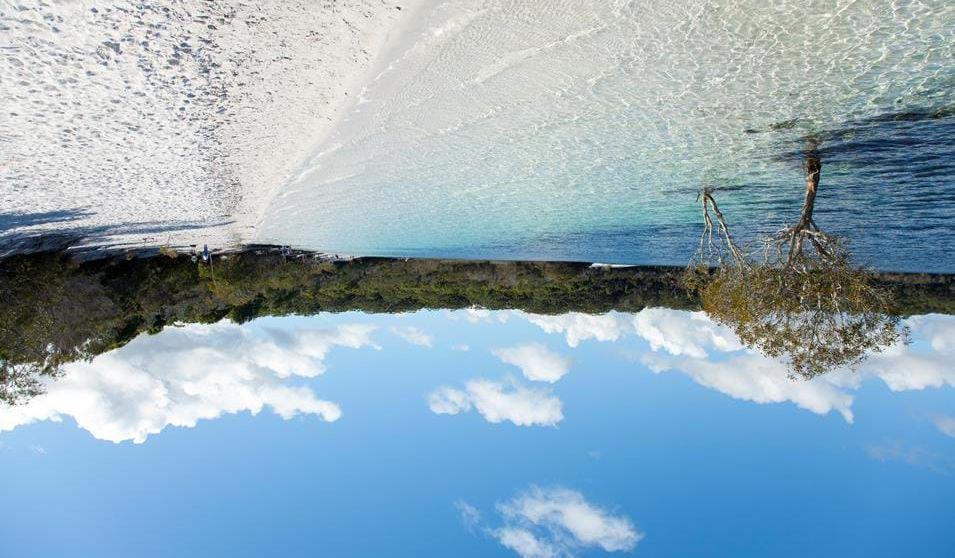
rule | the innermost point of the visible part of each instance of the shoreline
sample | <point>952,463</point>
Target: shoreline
<point>376,43</point>
<point>104,303</point>
<point>916,293</point>
<point>76,249</point>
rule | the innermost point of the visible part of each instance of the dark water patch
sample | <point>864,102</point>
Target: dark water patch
<point>882,134</point>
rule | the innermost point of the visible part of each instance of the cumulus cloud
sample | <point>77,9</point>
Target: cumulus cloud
<point>499,402</point>
<point>710,354</point>
<point>536,361</point>
<point>519,405</point>
<point>747,375</point>
<point>926,363</point>
<point>938,330</point>
<point>757,379</point>
<point>683,333</point>
<point>448,401</point>
<point>525,543</point>
<point>475,315</point>
<point>577,327</point>
<point>189,373</point>
<point>674,331</point>
<point>685,342</point>
<point>413,335</point>
<point>552,522</point>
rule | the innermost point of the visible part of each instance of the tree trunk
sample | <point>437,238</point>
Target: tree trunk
<point>813,170</point>
<point>796,234</point>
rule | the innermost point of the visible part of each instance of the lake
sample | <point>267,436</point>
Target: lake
<point>542,279</point>
<point>528,131</point>
<point>474,432</point>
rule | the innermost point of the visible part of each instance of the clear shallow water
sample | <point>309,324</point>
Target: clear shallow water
<point>479,433</point>
<point>583,131</point>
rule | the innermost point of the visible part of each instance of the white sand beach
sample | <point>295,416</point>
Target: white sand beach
<point>459,128</point>
<point>167,121</point>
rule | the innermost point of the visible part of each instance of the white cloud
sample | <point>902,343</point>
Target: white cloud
<point>475,315</point>
<point>757,379</point>
<point>520,405</point>
<point>498,402</point>
<point>683,333</point>
<point>524,543</point>
<point>448,401</point>
<point>945,425</point>
<point>536,362</point>
<point>710,354</point>
<point>470,516</point>
<point>938,330</point>
<point>577,327</point>
<point>461,348</point>
<point>675,331</point>
<point>303,353</point>
<point>189,373</point>
<point>413,335</point>
<point>927,363</point>
<point>924,364</point>
<point>685,341</point>
<point>557,522</point>
<point>909,371</point>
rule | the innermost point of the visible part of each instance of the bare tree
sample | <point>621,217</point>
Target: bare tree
<point>797,295</point>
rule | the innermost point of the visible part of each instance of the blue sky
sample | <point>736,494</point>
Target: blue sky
<point>482,434</point>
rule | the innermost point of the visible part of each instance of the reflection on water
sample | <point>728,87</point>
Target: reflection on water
<point>193,372</point>
<point>190,373</point>
<point>555,522</point>
<point>797,293</point>
<point>270,401</point>
<point>513,433</point>
<point>815,314</point>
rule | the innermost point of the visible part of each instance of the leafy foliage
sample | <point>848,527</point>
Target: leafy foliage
<point>827,315</point>
<point>56,310</point>
<point>798,296</point>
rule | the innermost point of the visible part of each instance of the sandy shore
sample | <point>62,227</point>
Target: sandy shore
<point>170,121</point>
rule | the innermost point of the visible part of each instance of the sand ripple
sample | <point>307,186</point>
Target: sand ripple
<point>132,119</point>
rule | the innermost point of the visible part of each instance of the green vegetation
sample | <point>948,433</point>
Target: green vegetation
<point>56,309</point>
<point>798,296</point>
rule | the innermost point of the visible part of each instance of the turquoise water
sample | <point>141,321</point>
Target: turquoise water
<point>583,131</point>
